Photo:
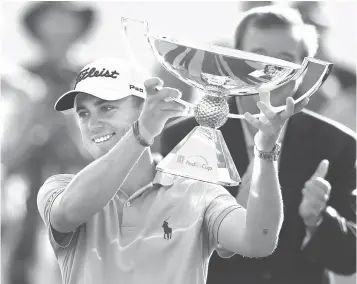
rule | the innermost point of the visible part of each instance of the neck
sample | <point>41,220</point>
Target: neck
<point>142,173</point>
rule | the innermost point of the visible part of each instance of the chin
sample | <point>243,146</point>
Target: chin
<point>103,149</point>
<point>97,151</point>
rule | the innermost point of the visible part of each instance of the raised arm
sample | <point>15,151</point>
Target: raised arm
<point>254,232</point>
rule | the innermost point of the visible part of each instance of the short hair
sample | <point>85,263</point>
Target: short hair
<point>277,16</point>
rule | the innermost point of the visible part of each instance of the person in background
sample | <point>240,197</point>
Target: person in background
<point>19,89</point>
<point>317,168</point>
<point>47,143</point>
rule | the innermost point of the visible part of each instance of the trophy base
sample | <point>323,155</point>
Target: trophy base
<point>202,155</point>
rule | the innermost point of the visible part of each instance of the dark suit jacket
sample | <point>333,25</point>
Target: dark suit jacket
<point>309,139</point>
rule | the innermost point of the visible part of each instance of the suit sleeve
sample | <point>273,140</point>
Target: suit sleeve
<point>333,244</point>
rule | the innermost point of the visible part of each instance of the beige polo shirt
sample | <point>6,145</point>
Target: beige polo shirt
<point>164,233</point>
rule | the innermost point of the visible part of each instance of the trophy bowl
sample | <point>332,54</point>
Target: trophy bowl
<point>236,72</point>
<point>219,72</point>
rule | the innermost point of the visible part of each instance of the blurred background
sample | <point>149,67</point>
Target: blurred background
<point>43,47</point>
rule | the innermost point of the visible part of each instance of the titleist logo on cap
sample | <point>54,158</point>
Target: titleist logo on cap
<point>93,72</point>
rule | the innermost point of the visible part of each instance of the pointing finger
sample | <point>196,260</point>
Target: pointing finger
<point>321,170</point>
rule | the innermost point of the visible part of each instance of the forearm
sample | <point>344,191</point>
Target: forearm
<point>93,187</point>
<point>265,207</point>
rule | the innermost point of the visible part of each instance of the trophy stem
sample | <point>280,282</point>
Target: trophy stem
<point>202,155</point>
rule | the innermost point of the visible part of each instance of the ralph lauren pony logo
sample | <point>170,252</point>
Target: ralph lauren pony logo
<point>93,72</point>
<point>167,230</point>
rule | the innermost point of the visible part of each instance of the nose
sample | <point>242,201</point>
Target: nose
<point>94,122</point>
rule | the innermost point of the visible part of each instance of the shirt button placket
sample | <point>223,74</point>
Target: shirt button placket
<point>127,218</point>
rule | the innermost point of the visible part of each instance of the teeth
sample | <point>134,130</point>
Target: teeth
<point>103,138</point>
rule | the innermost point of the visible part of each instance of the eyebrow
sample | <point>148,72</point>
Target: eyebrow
<point>97,102</point>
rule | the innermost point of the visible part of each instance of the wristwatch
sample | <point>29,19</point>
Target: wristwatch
<point>268,156</point>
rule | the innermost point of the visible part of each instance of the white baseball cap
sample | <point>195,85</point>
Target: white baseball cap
<point>108,78</point>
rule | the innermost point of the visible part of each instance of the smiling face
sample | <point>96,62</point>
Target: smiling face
<point>103,123</point>
<point>279,42</point>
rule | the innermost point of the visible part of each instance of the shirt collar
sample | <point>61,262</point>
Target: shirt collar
<point>160,178</point>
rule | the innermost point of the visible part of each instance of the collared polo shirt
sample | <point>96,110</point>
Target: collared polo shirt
<point>164,233</point>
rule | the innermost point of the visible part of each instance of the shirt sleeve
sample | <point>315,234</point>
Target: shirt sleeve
<point>51,189</point>
<point>219,204</point>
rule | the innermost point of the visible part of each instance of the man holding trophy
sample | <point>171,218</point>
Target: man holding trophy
<point>120,221</point>
<point>316,171</point>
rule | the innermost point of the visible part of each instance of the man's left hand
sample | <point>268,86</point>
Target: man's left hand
<point>271,122</point>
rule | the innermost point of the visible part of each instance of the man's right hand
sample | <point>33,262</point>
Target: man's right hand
<point>158,108</point>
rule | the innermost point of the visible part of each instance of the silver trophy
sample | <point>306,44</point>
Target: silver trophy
<point>219,72</point>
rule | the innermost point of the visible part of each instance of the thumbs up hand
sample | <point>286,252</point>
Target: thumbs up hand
<point>315,195</point>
